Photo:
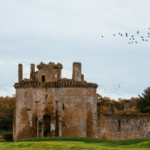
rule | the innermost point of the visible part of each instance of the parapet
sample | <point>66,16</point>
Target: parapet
<point>59,84</point>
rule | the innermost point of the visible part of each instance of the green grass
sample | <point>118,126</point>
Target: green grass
<point>3,131</point>
<point>75,143</point>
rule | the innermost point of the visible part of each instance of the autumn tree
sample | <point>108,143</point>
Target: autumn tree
<point>7,108</point>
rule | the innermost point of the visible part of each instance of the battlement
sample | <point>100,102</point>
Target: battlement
<point>59,84</point>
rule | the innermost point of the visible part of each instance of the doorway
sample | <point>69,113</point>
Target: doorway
<point>47,123</point>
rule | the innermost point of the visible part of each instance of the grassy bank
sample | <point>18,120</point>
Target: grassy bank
<point>74,143</point>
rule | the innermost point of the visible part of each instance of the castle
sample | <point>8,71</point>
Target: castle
<point>48,105</point>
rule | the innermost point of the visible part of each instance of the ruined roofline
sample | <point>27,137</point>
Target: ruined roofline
<point>56,84</point>
<point>52,64</point>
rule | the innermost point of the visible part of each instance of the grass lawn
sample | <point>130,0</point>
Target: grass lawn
<point>75,143</point>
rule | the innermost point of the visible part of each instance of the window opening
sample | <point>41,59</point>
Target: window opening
<point>119,124</point>
<point>43,78</point>
<point>63,106</point>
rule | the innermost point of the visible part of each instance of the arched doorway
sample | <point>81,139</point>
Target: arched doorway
<point>47,123</point>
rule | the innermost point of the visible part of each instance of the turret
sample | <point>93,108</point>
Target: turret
<point>20,70</point>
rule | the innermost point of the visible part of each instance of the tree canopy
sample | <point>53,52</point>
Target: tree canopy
<point>144,102</point>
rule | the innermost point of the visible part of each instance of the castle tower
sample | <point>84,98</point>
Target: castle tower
<point>53,106</point>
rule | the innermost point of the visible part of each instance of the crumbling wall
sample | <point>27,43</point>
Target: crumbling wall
<point>122,127</point>
<point>51,71</point>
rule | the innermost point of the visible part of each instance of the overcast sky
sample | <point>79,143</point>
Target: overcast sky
<point>67,31</point>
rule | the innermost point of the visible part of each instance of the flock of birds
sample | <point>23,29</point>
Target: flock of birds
<point>132,38</point>
<point>114,88</point>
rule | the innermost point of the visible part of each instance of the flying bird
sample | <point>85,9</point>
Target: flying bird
<point>114,34</point>
<point>102,36</point>
<point>137,32</point>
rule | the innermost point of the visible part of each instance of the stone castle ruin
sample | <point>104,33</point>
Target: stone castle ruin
<point>48,105</point>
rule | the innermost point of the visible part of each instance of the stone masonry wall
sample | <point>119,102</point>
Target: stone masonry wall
<point>122,127</point>
<point>76,109</point>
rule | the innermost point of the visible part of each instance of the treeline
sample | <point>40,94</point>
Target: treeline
<point>140,104</point>
<point>7,108</point>
<point>118,105</point>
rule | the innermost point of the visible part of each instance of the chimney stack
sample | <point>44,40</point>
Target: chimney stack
<point>76,76</point>
<point>20,70</point>
<point>32,70</point>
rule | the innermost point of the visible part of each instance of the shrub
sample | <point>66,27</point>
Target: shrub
<point>7,137</point>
